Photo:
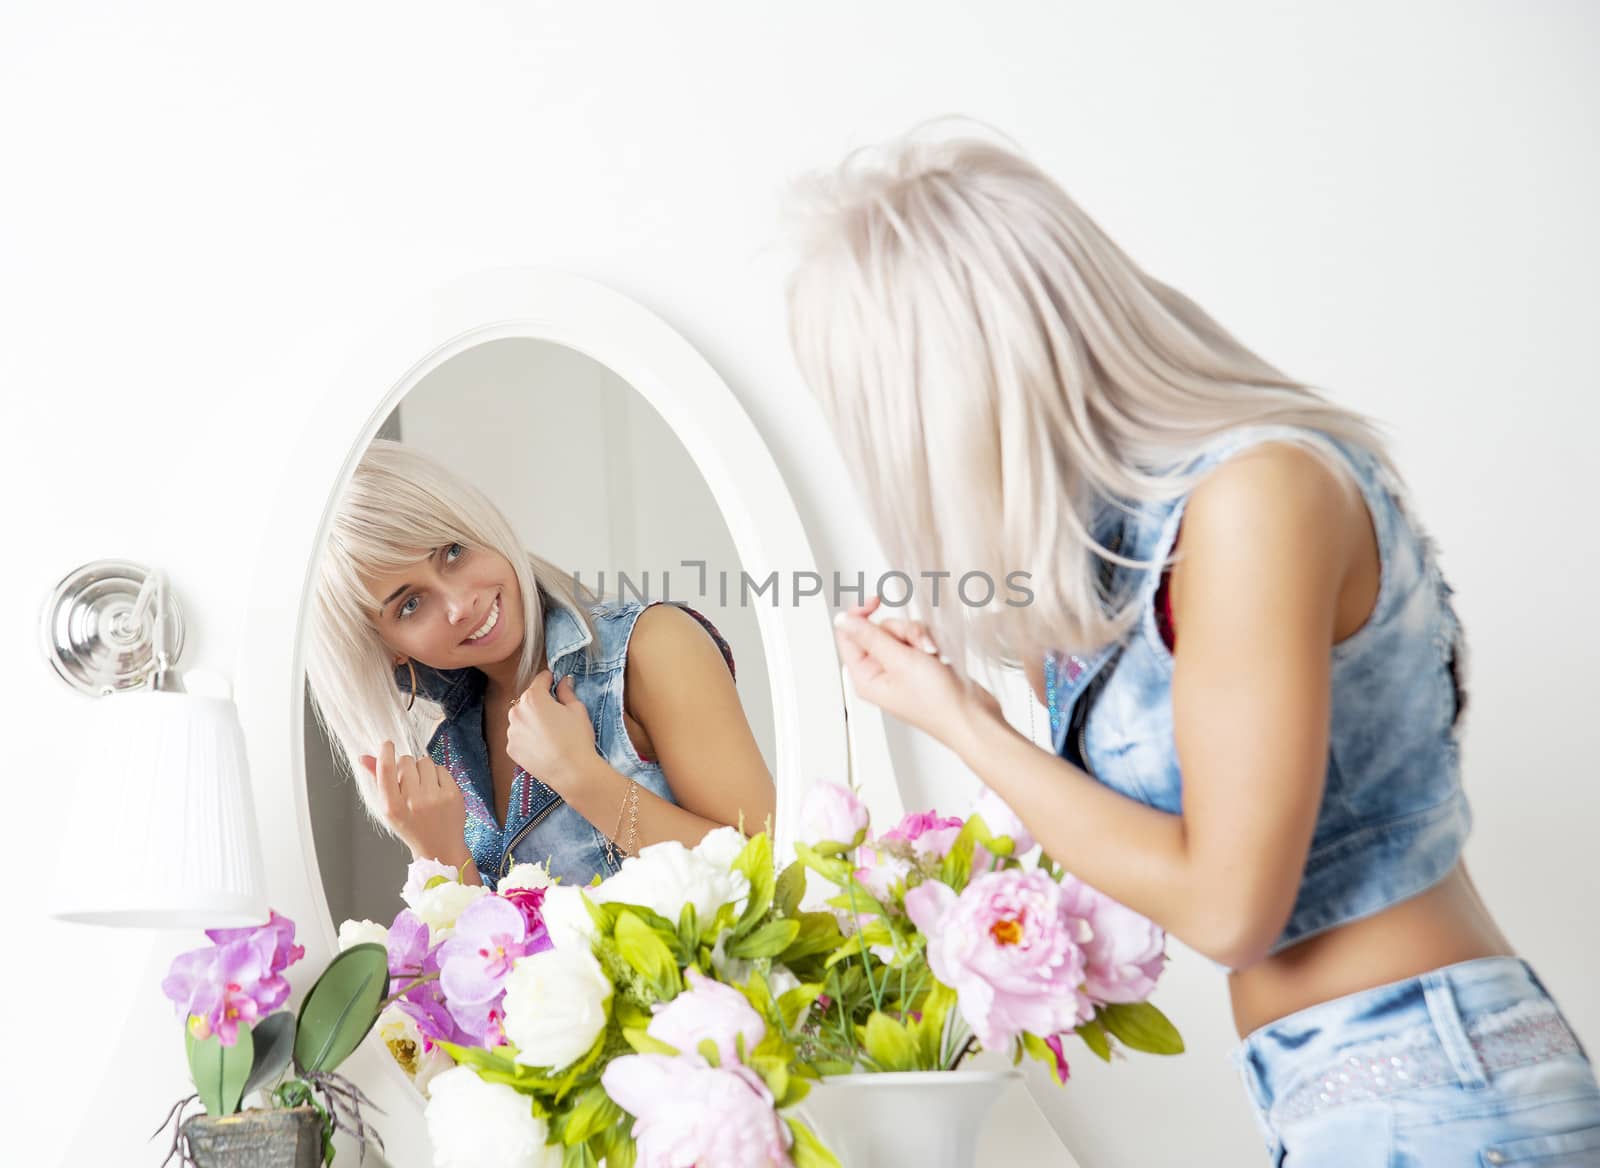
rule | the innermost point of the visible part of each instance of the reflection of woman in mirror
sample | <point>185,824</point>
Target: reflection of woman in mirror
<point>1256,741</point>
<point>567,730</point>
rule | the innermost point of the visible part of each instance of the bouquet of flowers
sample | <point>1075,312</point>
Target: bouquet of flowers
<point>238,1040</point>
<point>953,942</point>
<point>676,1012</point>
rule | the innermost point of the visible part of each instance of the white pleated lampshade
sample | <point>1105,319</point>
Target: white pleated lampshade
<point>164,833</point>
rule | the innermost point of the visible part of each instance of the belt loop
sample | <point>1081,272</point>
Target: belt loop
<point>1446,1018</point>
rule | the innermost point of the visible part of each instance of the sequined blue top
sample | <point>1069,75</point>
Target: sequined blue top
<point>540,827</point>
<point>1393,817</point>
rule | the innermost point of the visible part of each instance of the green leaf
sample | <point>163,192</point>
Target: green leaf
<point>593,1113</point>
<point>578,1156</point>
<point>274,1047</point>
<point>808,1151</point>
<point>1038,1050</point>
<point>342,1007</point>
<point>644,1042</point>
<point>769,940</point>
<point>688,928</point>
<point>1141,1026</point>
<point>220,1071</point>
<point>616,1146</point>
<point>889,1045</point>
<point>819,933</point>
<point>643,948</point>
<point>435,881</point>
<point>1094,1037</point>
<point>956,869</point>
<point>708,1051</point>
<point>928,1031</point>
<point>829,868</point>
<point>795,1002</point>
<point>857,899</point>
<point>755,861</point>
<point>789,890</point>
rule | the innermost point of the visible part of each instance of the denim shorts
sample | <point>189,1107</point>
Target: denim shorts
<point>1469,1066</point>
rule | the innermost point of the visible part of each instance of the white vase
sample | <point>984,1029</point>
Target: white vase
<point>931,1119</point>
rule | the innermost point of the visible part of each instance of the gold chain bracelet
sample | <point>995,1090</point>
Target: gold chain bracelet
<point>630,808</point>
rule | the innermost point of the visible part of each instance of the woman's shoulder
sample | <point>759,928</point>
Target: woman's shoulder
<point>1267,490</point>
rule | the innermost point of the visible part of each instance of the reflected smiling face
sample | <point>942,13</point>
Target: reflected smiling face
<point>452,607</point>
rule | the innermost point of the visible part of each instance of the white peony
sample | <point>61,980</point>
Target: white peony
<point>721,847</point>
<point>525,876</point>
<point>353,933</point>
<point>666,876</point>
<point>435,893</point>
<point>556,1006</point>
<point>473,1123</point>
<point>421,1060</point>
<point>567,918</point>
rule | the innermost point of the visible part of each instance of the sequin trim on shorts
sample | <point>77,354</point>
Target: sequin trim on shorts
<point>1522,1034</point>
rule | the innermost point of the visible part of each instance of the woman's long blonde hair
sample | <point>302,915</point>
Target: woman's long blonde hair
<point>399,501</point>
<point>996,369</point>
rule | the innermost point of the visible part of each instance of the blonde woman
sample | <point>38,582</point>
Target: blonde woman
<point>1256,737</point>
<point>491,714</point>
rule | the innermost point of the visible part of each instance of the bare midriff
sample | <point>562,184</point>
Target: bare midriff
<point>1444,925</point>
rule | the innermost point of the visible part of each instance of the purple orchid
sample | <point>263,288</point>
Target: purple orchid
<point>475,962</point>
<point>236,981</point>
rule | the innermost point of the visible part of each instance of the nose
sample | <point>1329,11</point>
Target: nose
<point>461,606</point>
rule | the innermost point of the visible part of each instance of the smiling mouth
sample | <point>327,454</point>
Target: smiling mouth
<point>488,625</point>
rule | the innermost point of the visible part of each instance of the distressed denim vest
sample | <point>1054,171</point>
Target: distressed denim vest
<point>540,826</point>
<point>1393,818</point>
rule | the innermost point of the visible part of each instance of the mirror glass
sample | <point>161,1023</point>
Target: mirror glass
<point>593,480</point>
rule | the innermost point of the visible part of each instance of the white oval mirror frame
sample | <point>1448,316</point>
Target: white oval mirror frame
<point>809,701</point>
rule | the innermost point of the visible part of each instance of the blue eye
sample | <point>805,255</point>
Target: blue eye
<point>454,552</point>
<point>408,607</point>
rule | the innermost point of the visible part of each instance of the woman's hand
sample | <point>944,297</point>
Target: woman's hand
<point>550,735</point>
<point>895,665</point>
<point>422,802</point>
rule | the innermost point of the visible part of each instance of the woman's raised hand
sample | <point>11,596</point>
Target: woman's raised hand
<point>895,665</point>
<point>550,735</point>
<point>422,803</point>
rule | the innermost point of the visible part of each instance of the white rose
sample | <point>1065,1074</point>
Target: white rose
<point>524,876</point>
<point>473,1123</point>
<point>566,918</point>
<point>721,847</point>
<point>353,933</point>
<point>555,1006</point>
<point>666,876</point>
<point>417,1058</point>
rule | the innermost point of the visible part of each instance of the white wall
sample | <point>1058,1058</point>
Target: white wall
<point>1393,201</point>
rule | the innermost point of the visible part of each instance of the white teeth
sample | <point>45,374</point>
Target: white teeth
<point>489,622</point>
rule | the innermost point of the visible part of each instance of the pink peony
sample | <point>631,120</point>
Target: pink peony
<point>1010,949</point>
<point>708,1009</point>
<point>1125,952</point>
<point>879,869</point>
<point>830,812</point>
<point>929,835</point>
<point>688,1113</point>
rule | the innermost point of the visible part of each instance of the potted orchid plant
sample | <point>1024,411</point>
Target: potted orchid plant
<point>705,1005</point>
<point>239,1040</point>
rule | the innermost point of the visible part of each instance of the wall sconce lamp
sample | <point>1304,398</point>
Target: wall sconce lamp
<point>163,833</point>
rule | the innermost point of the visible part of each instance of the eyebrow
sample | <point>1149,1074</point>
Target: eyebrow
<point>390,598</point>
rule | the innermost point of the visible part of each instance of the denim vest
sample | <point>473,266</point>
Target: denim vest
<point>540,826</point>
<point>1393,817</point>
